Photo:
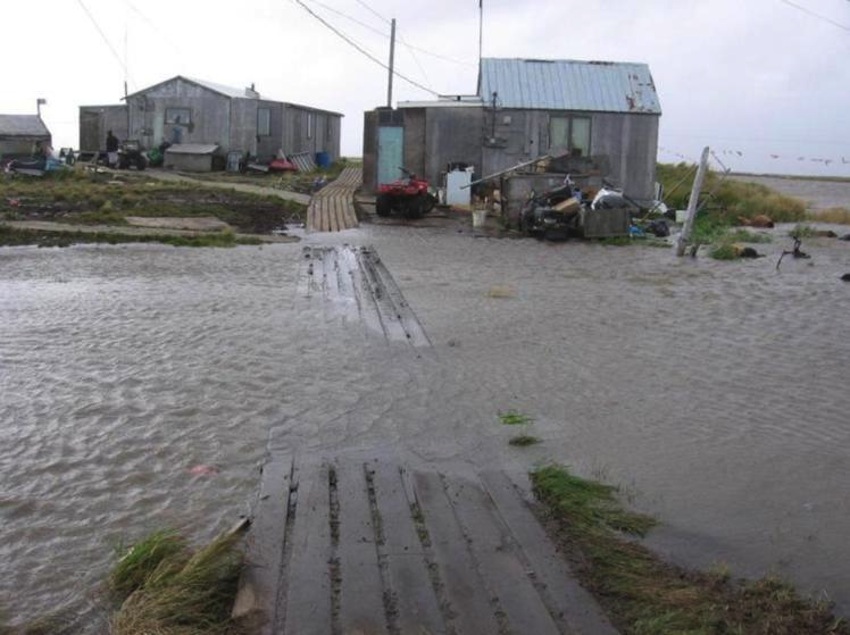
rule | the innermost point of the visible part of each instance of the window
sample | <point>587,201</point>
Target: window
<point>311,121</point>
<point>178,116</point>
<point>571,134</point>
<point>264,122</point>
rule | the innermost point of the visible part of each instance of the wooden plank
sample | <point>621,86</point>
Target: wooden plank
<point>504,573</point>
<point>416,607</point>
<point>307,590</point>
<point>362,592</point>
<point>331,203</point>
<point>258,585</point>
<point>468,600</point>
<point>576,608</point>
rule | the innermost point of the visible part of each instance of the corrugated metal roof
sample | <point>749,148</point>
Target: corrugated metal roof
<point>569,85</point>
<point>229,91</point>
<point>23,126</point>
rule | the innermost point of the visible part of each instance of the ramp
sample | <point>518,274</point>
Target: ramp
<point>372,547</point>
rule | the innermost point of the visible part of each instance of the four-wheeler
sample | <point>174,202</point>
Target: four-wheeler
<point>130,155</point>
<point>409,196</point>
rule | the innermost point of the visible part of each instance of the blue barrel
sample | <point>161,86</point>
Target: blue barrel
<point>323,159</point>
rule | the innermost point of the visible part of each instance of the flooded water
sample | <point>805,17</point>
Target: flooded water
<point>716,393</point>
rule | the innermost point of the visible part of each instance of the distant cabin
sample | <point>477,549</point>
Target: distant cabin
<point>20,134</point>
<point>200,113</point>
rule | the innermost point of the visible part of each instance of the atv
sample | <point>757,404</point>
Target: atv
<point>410,196</point>
<point>131,155</point>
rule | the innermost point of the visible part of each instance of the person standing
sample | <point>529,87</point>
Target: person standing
<point>112,149</point>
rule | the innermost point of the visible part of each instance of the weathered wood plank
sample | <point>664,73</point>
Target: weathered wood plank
<point>493,548</point>
<point>575,608</point>
<point>258,585</point>
<point>361,598</point>
<point>416,606</point>
<point>469,606</point>
<point>307,606</point>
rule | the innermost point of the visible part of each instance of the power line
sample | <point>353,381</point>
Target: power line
<point>816,15</point>
<point>105,39</point>
<point>383,34</point>
<point>354,44</point>
<point>372,11</point>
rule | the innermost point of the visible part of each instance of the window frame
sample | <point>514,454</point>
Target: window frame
<point>171,116</point>
<point>268,122</point>
<point>570,119</point>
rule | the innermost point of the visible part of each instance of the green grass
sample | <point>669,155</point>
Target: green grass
<point>166,589</point>
<point>16,237</point>
<point>747,236</point>
<point>514,418</point>
<point>642,594</point>
<point>727,201</point>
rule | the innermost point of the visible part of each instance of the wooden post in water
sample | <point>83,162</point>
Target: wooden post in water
<point>692,204</point>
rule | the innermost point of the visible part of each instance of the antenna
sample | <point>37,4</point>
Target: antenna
<point>480,32</point>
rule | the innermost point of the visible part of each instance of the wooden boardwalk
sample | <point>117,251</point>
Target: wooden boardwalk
<point>332,208</point>
<point>363,547</point>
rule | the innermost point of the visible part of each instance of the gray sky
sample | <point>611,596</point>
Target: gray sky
<point>763,82</point>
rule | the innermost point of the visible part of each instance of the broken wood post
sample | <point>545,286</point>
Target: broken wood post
<point>692,204</point>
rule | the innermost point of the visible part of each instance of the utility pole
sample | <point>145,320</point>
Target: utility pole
<point>692,204</point>
<point>392,65</point>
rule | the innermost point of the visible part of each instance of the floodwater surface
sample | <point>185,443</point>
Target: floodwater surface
<point>142,386</point>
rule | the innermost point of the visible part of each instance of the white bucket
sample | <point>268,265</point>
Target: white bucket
<point>478,217</point>
<point>681,215</point>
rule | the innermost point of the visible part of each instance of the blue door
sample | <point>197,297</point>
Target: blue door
<point>390,153</point>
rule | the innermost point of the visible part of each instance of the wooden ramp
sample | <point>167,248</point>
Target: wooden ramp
<point>368,547</point>
<point>332,208</point>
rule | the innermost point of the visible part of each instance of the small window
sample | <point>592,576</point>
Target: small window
<point>311,122</point>
<point>329,128</point>
<point>264,122</point>
<point>181,116</point>
<point>571,134</point>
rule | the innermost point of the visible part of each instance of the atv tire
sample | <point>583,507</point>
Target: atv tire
<point>384,205</point>
<point>429,203</point>
<point>414,207</point>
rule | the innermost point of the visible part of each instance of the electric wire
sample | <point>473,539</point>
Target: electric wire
<point>383,34</point>
<point>816,15</point>
<point>372,11</point>
<point>105,39</point>
<point>363,51</point>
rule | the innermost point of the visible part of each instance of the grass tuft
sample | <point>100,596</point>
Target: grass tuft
<point>837,215</point>
<point>168,590</point>
<point>644,595</point>
<point>514,418</point>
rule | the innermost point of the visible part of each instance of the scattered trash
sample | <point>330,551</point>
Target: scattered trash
<point>761,221</point>
<point>658,228</point>
<point>794,251</point>
<point>204,470</point>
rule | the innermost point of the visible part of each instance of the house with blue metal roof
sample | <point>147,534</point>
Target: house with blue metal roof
<point>599,118</point>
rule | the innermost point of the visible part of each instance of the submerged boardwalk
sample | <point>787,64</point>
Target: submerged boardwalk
<point>332,208</point>
<point>370,547</point>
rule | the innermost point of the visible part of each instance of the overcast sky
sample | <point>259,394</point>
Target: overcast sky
<point>765,83</point>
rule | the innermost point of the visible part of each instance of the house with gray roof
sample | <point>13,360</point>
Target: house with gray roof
<point>598,117</point>
<point>19,135</point>
<point>198,113</point>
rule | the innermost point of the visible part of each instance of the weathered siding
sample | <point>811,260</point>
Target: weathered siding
<point>630,145</point>
<point>96,121</point>
<point>370,150</point>
<point>452,135</point>
<point>216,117</point>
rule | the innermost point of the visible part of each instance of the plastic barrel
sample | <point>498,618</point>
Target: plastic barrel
<point>323,159</point>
